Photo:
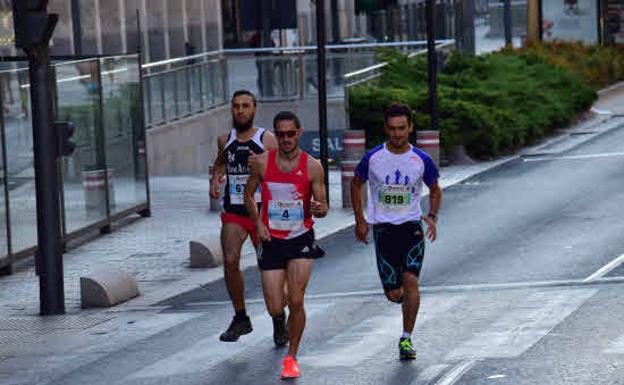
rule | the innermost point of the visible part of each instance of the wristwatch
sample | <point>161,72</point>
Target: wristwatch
<point>433,216</point>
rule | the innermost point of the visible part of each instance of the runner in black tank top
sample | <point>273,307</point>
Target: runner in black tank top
<point>237,170</point>
<point>237,149</point>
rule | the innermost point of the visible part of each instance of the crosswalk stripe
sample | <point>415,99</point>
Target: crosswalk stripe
<point>616,346</point>
<point>368,337</point>
<point>517,330</point>
<point>455,374</point>
<point>429,373</point>
<point>208,352</point>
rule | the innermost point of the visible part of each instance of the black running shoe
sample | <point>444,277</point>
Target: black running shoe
<point>237,328</point>
<point>406,351</point>
<point>280,330</point>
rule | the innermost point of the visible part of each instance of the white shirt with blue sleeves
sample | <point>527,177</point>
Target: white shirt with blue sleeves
<point>396,182</point>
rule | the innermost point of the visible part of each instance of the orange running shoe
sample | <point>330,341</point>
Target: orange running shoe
<point>290,368</point>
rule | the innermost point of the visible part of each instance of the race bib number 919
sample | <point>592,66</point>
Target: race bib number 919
<point>395,196</point>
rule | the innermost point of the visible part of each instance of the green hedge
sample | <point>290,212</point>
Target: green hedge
<point>492,103</point>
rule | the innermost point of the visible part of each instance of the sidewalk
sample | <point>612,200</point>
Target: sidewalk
<point>155,250</point>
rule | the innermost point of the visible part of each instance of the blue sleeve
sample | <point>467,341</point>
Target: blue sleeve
<point>431,173</point>
<point>361,170</point>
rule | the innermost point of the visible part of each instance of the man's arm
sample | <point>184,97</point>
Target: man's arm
<point>218,167</point>
<point>317,179</point>
<point>357,201</point>
<point>435,200</point>
<point>253,182</point>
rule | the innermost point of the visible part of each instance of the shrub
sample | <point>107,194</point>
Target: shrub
<point>492,103</point>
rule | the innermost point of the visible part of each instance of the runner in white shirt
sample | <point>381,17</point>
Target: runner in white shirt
<point>396,171</point>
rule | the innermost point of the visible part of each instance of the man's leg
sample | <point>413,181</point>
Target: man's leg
<point>297,275</point>
<point>232,238</point>
<point>411,301</point>
<point>273,284</point>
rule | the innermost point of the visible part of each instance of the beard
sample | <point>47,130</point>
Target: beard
<point>242,126</point>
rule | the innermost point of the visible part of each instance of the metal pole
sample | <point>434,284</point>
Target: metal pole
<point>76,26</point>
<point>49,253</point>
<point>507,22</point>
<point>432,64</point>
<point>321,40</point>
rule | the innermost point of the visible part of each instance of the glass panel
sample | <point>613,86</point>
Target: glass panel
<point>83,183</point>
<point>125,136</point>
<point>20,163</point>
<point>182,82</point>
<point>571,20</point>
<point>195,88</point>
<point>170,95</point>
<point>12,107</point>
<point>156,102</point>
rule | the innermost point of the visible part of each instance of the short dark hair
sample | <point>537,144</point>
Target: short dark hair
<point>244,92</point>
<point>286,115</point>
<point>398,109</point>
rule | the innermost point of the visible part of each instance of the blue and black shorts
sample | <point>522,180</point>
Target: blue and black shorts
<point>399,248</point>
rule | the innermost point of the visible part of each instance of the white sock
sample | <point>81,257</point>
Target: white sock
<point>406,335</point>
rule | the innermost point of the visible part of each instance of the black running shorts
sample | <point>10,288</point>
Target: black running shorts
<point>399,248</point>
<point>273,254</point>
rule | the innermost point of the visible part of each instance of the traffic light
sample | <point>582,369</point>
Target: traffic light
<point>33,24</point>
<point>64,133</point>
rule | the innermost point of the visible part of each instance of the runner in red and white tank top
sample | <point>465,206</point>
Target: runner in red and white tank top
<point>287,197</point>
<point>293,190</point>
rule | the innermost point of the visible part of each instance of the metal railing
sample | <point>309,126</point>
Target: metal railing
<point>181,87</point>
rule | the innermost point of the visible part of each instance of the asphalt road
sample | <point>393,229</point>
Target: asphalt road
<point>514,292</point>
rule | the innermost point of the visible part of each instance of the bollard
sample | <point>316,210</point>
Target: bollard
<point>94,185</point>
<point>347,167</point>
<point>106,288</point>
<point>354,144</point>
<point>215,204</point>
<point>429,142</point>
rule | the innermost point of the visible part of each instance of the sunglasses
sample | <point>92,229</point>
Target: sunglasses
<point>286,134</point>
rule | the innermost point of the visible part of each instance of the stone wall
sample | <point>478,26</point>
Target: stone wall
<point>189,146</point>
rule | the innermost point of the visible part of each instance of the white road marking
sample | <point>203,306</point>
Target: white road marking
<point>529,320</point>
<point>429,373</point>
<point>573,157</point>
<point>495,376</point>
<point>616,346</point>
<point>368,337</point>
<point>605,269</point>
<point>208,352</point>
<point>455,374</point>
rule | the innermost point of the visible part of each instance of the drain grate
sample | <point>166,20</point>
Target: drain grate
<point>49,324</point>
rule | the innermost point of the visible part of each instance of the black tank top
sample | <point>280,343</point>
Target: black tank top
<point>237,170</point>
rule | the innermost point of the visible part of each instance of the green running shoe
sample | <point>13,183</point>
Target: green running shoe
<point>406,351</point>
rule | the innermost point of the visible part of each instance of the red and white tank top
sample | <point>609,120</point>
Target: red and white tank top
<point>286,198</point>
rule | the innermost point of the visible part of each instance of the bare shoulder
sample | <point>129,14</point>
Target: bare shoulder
<point>314,166</point>
<point>268,140</point>
<point>222,139</point>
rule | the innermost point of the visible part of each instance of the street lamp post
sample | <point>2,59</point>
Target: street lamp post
<point>33,30</point>
<point>322,88</point>
<point>432,64</point>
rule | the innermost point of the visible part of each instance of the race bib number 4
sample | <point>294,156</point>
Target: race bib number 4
<point>395,196</point>
<point>237,185</point>
<point>285,215</point>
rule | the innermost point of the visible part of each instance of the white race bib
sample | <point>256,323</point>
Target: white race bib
<point>395,196</point>
<point>237,185</point>
<point>285,215</point>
